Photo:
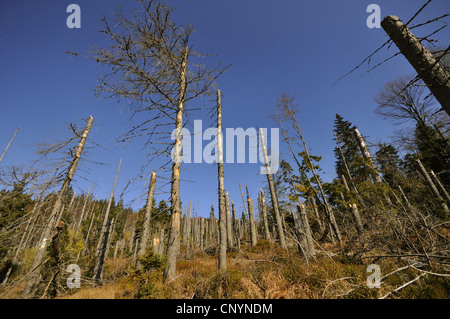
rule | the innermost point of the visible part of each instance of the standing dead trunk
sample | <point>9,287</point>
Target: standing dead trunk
<point>300,234</point>
<point>431,185</point>
<point>307,230</point>
<point>235,225</point>
<point>357,219</point>
<point>173,246</point>
<point>145,237</point>
<point>263,216</point>
<point>98,271</point>
<point>366,154</point>
<point>34,277</point>
<point>251,216</point>
<point>222,197</point>
<point>422,60</point>
<point>101,244</point>
<point>273,194</point>
<point>316,213</point>
<point>229,225</point>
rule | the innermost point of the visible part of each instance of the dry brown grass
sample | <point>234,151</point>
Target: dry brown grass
<point>109,291</point>
<point>261,272</point>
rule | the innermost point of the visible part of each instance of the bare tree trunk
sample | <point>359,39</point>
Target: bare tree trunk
<point>422,60</point>
<point>273,194</point>
<point>431,185</point>
<point>300,231</point>
<point>441,187</point>
<point>101,244</point>
<point>251,216</point>
<point>33,279</point>
<point>9,144</point>
<point>243,201</point>
<point>330,215</point>
<point>229,225</point>
<point>235,225</point>
<point>147,218</point>
<point>173,246</point>
<point>358,224</point>
<point>222,197</point>
<point>264,216</point>
<point>202,234</point>
<point>366,154</point>
<point>307,229</point>
<point>316,213</point>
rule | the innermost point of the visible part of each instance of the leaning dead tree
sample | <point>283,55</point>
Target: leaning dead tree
<point>155,68</point>
<point>431,185</point>
<point>286,111</point>
<point>9,144</point>
<point>273,194</point>
<point>34,278</point>
<point>423,61</point>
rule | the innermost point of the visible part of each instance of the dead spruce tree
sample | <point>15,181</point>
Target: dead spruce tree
<point>273,194</point>
<point>34,278</point>
<point>221,190</point>
<point>155,68</point>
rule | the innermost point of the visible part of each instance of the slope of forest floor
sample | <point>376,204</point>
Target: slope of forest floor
<point>264,271</point>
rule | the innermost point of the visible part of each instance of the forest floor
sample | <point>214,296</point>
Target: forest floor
<point>264,271</point>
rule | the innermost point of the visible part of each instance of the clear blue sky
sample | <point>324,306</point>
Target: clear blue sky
<point>299,47</point>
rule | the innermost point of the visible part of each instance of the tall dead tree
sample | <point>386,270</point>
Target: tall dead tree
<point>221,190</point>
<point>145,236</point>
<point>273,193</point>
<point>286,111</point>
<point>423,61</point>
<point>103,239</point>
<point>173,246</point>
<point>154,66</point>
<point>34,278</point>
